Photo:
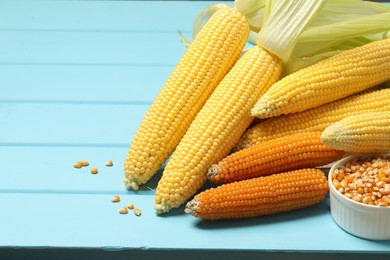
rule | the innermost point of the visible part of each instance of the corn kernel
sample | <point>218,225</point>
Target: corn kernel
<point>116,199</point>
<point>77,165</point>
<point>137,212</point>
<point>94,170</point>
<point>84,163</point>
<point>123,210</point>
<point>109,163</point>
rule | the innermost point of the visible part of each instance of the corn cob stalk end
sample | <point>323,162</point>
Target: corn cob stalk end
<point>263,107</point>
<point>213,172</point>
<point>131,184</point>
<point>192,206</point>
<point>161,208</point>
<point>242,144</point>
<point>332,134</point>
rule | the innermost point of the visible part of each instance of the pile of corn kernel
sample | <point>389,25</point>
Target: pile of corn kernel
<point>365,180</point>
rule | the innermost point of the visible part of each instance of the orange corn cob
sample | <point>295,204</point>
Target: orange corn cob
<point>300,150</point>
<point>260,196</point>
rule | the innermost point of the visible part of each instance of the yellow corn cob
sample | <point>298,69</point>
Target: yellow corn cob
<point>260,196</point>
<point>343,74</point>
<point>300,150</point>
<point>216,128</point>
<point>315,119</point>
<point>210,56</point>
<point>363,133</point>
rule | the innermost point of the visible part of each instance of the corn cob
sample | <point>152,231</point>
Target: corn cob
<point>315,119</point>
<point>300,150</point>
<point>363,133</point>
<point>339,76</point>
<point>211,55</point>
<point>216,128</point>
<point>260,196</point>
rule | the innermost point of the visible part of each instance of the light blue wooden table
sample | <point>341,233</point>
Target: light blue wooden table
<point>76,78</point>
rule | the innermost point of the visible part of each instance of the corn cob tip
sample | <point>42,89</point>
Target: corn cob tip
<point>241,144</point>
<point>213,171</point>
<point>162,208</point>
<point>331,134</point>
<point>263,108</point>
<point>192,206</point>
<point>130,185</point>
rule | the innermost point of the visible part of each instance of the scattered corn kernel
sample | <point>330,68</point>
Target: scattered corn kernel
<point>109,163</point>
<point>94,170</point>
<point>130,206</point>
<point>77,165</point>
<point>84,163</point>
<point>123,210</point>
<point>137,212</point>
<point>368,180</point>
<point>116,199</point>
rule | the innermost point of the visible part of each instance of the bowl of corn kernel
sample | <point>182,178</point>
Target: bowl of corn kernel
<point>360,195</point>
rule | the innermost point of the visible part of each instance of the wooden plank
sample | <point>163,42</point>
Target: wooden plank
<point>188,254</point>
<point>49,170</point>
<point>100,15</point>
<point>69,124</point>
<point>89,48</point>
<point>92,221</point>
<point>77,83</point>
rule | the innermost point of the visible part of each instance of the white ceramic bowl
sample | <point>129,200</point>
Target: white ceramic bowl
<point>365,221</point>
